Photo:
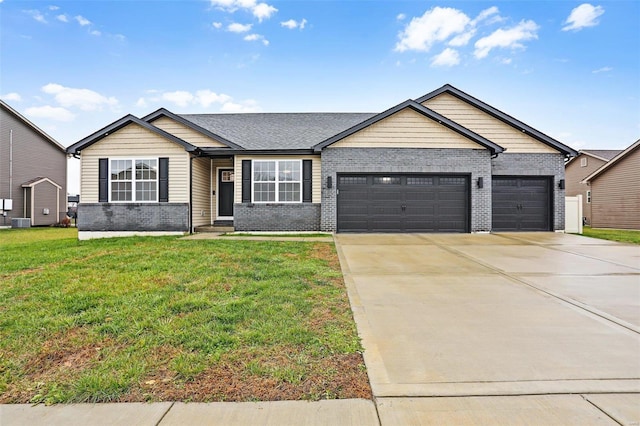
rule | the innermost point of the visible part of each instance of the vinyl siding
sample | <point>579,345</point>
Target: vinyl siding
<point>406,129</point>
<point>185,133</point>
<point>316,173</point>
<point>134,141</point>
<point>201,200</point>
<point>574,173</point>
<point>33,156</point>
<point>495,130</point>
<point>616,195</point>
<point>45,196</point>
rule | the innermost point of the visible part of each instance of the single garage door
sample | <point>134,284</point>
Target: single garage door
<point>403,203</point>
<point>521,203</point>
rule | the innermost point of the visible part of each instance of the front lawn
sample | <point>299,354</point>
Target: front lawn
<point>159,319</point>
<point>623,236</point>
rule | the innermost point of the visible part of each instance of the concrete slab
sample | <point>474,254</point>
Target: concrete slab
<point>482,329</point>
<point>386,239</point>
<point>556,238</point>
<point>138,414</point>
<point>616,295</point>
<point>474,239</point>
<point>628,255</point>
<point>531,259</point>
<point>623,408</point>
<point>512,410</point>
<point>406,259</point>
<point>328,412</point>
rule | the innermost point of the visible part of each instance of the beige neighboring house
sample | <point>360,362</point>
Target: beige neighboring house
<point>33,172</point>
<point>578,168</point>
<point>615,191</point>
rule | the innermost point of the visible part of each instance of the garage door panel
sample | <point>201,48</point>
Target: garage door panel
<point>403,203</point>
<point>521,203</point>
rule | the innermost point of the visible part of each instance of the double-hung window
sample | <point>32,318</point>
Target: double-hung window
<point>134,180</point>
<point>277,181</point>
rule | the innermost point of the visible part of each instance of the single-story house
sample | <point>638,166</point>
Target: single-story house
<point>444,162</point>
<point>615,191</point>
<point>586,162</point>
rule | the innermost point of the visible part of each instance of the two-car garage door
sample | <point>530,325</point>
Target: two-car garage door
<point>403,203</point>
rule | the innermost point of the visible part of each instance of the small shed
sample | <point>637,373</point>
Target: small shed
<point>42,201</point>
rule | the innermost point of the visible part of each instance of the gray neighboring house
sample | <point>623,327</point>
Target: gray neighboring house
<point>586,162</point>
<point>33,171</point>
<point>444,162</point>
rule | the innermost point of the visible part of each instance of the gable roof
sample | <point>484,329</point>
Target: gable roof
<point>505,118</point>
<point>35,128</point>
<point>162,112</point>
<point>612,162</point>
<point>33,182</point>
<point>276,131</point>
<point>119,124</point>
<point>421,109</point>
<point>601,154</point>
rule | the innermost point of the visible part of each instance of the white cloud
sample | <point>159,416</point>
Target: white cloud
<point>259,10</point>
<point>62,18</point>
<point>217,25</point>
<point>462,39</point>
<point>256,37</point>
<point>207,97</point>
<point>506,61</point>
<point>95,33</point>
<point>292,24</point>
<point>447,58</point>
<point>51,113</point>
<point>506,38</point>
<point>239,28</point>
<point>13,96</point>
<point>53,8</point>
<point>82,20</point>
<point>249,105</point>
<point>583,16</point>
<point>485,14</point>
<point>37,15</point>
<point>179,97</point>
<point>603,69</point>
<point>85,99</point>
<point>141,103</point>
<point>401,17</point>
<point>436,25</point>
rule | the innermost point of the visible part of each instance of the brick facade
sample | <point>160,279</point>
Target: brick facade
<point>517,164</point>
<point>476,162</point>
<point>276,217</point>
<point>133,217</point>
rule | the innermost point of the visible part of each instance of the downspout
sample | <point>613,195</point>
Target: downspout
<point>191,194</point>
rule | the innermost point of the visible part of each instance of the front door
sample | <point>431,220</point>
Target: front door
<point>225,193</point>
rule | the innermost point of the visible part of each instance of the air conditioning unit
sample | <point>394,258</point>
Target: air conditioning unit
<point>20,222</point>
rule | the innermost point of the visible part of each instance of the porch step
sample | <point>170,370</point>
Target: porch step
<point>214,228</point>
<point>223,223</point>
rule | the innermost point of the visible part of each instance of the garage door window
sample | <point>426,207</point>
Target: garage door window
<point>277,181</point>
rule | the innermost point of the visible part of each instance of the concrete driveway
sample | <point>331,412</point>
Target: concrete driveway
<point>538,325</point>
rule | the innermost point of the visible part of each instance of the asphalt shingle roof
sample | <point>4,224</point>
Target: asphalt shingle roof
<point>607,154</point>
<point>277,131</point>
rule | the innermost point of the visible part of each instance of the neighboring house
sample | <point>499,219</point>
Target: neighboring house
<point>615,191</point>
<point>581,166</point>
<point>33,171</point>
<point>445,162</point>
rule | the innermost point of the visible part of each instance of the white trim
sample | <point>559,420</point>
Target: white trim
<point>211,171</point>
<point>90,235</point>
<point>233,197</point>
<point>133,179</point>
<point>275,182</point>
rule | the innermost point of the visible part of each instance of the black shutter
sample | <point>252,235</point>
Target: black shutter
<point>103,180</point>
<point>307,188</point>
<point>163,171</point>
<point>246,181</point>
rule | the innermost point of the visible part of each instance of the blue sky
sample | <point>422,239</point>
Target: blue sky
<point>568,68</point>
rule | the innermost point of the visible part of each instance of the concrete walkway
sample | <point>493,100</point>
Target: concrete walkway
<point>537,328</point>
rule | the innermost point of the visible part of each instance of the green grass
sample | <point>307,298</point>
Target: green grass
<point>296,235</point>
<point>624,236</point>
<point>148,319</point>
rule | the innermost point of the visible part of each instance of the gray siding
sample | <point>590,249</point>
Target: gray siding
<point>133,217</point>
<point>45,196</point>
<point>531,164</point>
<point>476,162</point>
<point>574,173</point>
<point>33,156</point>
<point>276,217</point>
